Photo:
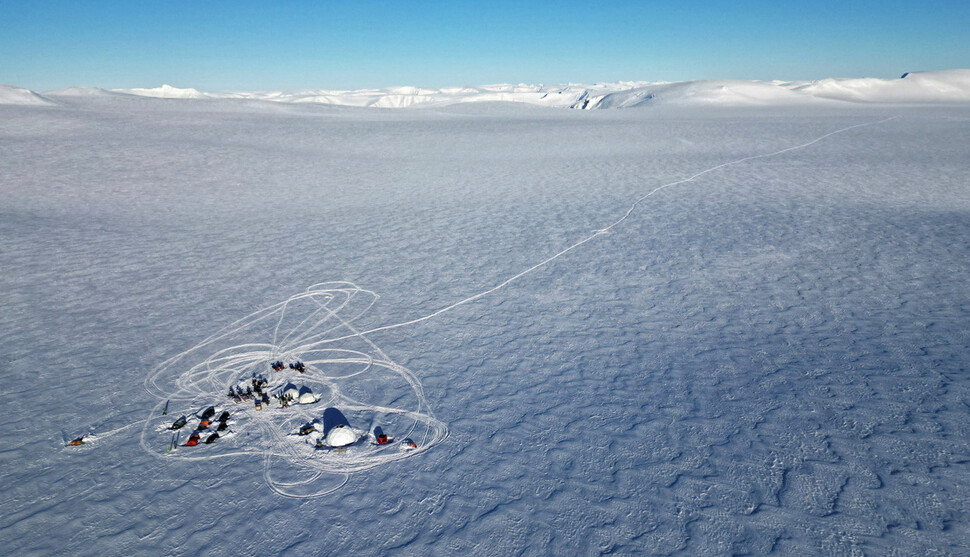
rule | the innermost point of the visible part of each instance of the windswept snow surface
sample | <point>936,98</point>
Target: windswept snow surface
<point>942,87</point>
<point>20,96</point>
<point>679,331</point>
<point>915,87</point>
<point>939,87</point>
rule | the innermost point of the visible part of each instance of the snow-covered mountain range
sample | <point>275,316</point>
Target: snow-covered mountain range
<point>935,87</point>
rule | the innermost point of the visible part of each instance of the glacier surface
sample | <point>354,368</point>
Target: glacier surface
<point>710,329</point>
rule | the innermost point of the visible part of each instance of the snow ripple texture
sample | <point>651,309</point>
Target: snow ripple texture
<point>343,368</point>
<point>768,360</point>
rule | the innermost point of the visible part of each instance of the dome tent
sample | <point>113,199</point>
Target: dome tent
<point>291,392</point>
<point>307,396</point>
<point>336,428</point>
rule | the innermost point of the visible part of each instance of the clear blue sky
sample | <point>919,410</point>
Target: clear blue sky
<point>216,45</point>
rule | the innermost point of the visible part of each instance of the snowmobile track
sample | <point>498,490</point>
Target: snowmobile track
<point>305,329</point>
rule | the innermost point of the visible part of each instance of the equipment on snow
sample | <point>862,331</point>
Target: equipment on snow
<point>211,439</point>
<point>222,426</point>
<point>224,416</point>
<point>209,412</point>
<point>315,437</point>
<point>307,429</point>
<point>193,441</point>
<point>179,423</point>
<point>380,436</point>
<point>408,445</point>
<point>76,442</point>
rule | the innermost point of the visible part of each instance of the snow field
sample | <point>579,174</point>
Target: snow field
<point>768,358</point>
<point>607,229</point>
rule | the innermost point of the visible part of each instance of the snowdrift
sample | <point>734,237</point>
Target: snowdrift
<point>947,86</point>
<point>707,92</point>
<point>19,96</point>
<point>87,92</point>
<point>917,87</point>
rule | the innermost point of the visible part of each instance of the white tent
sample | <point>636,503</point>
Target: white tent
<point>337,429</point>
<point>290,391</point>
<point>307,396</point>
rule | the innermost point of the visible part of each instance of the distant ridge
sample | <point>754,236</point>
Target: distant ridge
<point>912,87</point>
<point>80,92</point>
<point>19,96</point>
<point>931,87</point>
<point>167,92</point>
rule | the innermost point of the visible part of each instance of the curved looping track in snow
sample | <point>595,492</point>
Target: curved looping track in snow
<point>356,377</point>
